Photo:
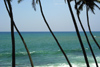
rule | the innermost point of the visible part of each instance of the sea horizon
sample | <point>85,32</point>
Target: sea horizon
<point>48,31</point>
<point>44,50</point>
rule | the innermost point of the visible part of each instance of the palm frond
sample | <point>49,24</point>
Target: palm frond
<point>79,2</point>
<point>33,4</point>
<point>97,6</point>
<point>81,6</point>
<point>78,12</point>
<point>19,1</point>
<point>92,8</point>
<point>37,1</point>
<point>65,1</point>
<point>69,0</point>
<point>93,11</point>
<point>98,1</point>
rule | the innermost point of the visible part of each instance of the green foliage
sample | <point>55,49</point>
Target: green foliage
<point>89,3</point>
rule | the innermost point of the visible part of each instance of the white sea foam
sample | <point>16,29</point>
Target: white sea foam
<point>56,65</point>
<point>73,65</point>
<point>58,50</point>
<point>32,52</point>
<point>94,36</point>
<point>24,53</point>
<point>86,48</point>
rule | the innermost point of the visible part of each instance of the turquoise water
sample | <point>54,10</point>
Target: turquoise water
<point>44,50</point>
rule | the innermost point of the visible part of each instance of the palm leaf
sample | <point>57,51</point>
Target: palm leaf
<point>81,6</point>
<point>65,1</point>
<point>79,2</point>
<point>98,1</point>
<point>19,1</point>
<point>92,8</point>
<point>33,4</point>
<point>97,6</point>
<point>37,1</point>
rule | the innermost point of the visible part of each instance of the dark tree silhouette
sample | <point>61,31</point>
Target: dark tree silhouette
<point>12,34</point>
<point>87,9</point>
<point>25,46</point>
<point>90,4</point>
<point>86,36</point>
<point>78,34</point>
<point>53,34</point>
<point>12,31</point>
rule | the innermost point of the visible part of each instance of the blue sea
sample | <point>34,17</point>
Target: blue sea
<point>45,51</point>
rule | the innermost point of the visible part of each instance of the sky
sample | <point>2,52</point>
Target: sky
<point>56,12</point>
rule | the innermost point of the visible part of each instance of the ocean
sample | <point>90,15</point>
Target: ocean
<point>44,50</point>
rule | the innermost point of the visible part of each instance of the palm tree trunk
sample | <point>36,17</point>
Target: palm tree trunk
<point>53,34</point>
<point>12,35</point>
<point>25,46</point>
<point>78,34</point>
<point>86,37</point>
<point>13,44</point>
<point>12,28</point>
<point>90,28</point>
<point>88,42</point>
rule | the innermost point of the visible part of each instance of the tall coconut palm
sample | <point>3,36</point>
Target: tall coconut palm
<point>53,34</point>
<point>12,32</point>
<point>78,34</point>
<point>86,35</point>
<point>9,10</point>
<point>90,4</point>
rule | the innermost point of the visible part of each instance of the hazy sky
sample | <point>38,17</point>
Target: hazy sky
<point>56,12</point>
